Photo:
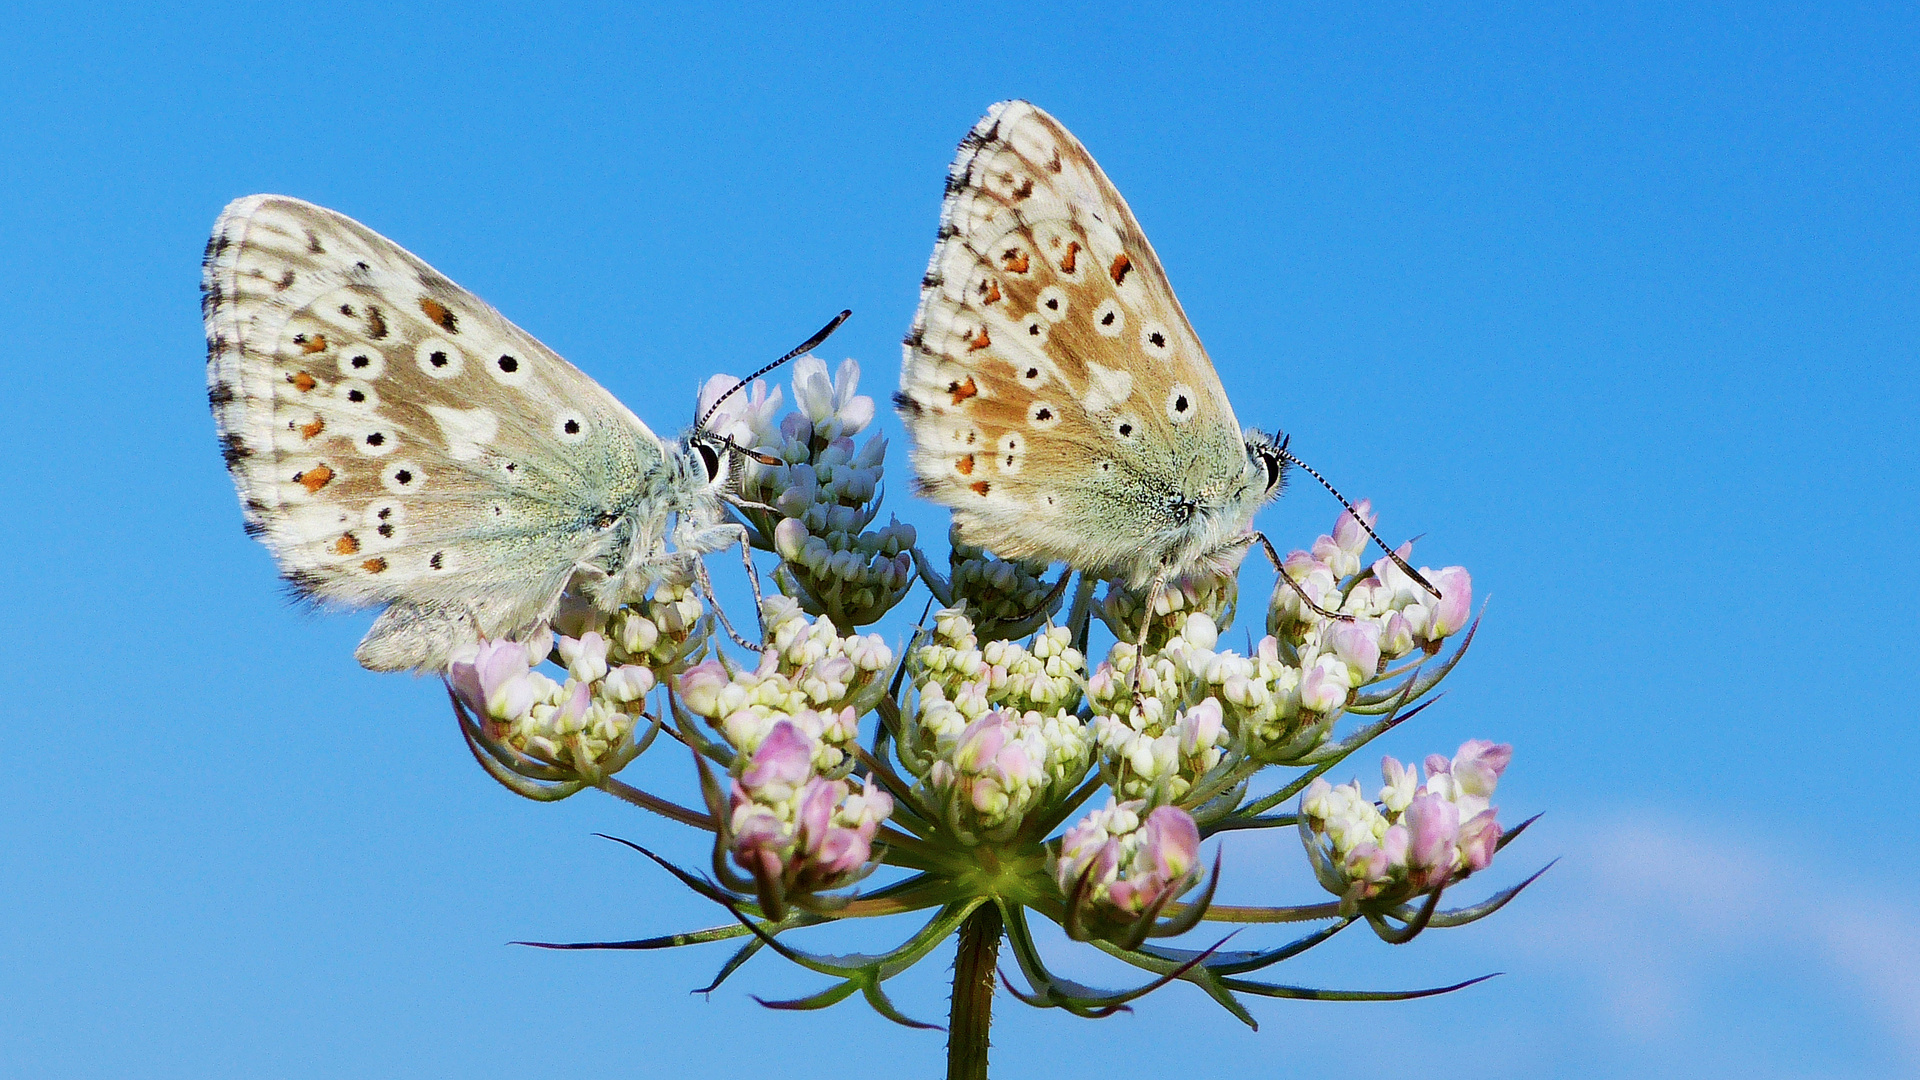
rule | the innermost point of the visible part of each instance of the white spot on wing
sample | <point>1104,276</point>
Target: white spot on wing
<point>1106,387</point>
<point>467,431</point>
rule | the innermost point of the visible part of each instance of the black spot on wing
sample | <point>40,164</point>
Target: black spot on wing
<point>234,449</point>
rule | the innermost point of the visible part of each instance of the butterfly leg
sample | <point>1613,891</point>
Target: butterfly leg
<point>1279,568</point>
<point>706,587</point>
<point>717,538</point>
<point>1146,623</point>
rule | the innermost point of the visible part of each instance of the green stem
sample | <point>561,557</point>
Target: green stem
<point>974,971</point>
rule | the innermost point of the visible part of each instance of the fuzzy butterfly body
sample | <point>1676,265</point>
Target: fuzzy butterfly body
<point>397,441</point>
<point>1058,400</point>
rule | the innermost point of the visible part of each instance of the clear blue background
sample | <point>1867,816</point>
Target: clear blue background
<point>1615,304</point>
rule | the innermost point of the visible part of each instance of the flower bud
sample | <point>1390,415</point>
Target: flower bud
<point>628,682</point>
<point>1455,605</point>
<point>585,656</point>
<point>781,765</point>
<point>700,687</point>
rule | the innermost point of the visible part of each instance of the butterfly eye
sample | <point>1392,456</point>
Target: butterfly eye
<point>1182,512</point>
<point>604,521</point>
<point>709,460</point>
<point>1275,469</point>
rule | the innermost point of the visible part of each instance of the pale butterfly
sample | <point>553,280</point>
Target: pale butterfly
<point>1058,400</point>
<point>396,441</point>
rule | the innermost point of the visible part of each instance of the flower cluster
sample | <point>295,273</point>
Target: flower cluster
<point>1194,704</point>
<point>1389,614</point>
<point>994,734</point>
<point>1204,591</point>
<point>1128,861</point>
<point>582,723</point>
<point>1005,598</point>
<point>795,831</point>
<point>809,677</point>
<point>991,732</point>
<point>1417,836</point>
<point>814,507</point>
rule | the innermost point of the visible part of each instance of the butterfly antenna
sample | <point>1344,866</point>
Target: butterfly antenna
<point>1391,554</point>
<point>801,349</point>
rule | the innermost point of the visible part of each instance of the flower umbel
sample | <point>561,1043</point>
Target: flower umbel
<point>955,761</point>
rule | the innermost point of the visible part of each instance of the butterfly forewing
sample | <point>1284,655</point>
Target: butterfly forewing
<point>394,439</point>
<point>1058,398</point>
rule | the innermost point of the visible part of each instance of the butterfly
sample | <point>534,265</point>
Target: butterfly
<point>1058,400</point>
<point>396,441</point>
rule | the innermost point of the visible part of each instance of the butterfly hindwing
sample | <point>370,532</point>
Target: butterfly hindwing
<point>1059,400</point>
<point>395,440</point>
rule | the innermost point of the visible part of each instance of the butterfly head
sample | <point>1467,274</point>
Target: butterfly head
<point>1267,454</point>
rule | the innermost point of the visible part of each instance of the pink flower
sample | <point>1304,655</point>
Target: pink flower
<point>1200,727</point>
<point>1433,827</point>
<point>1479,838</point>
<point>1347,531</point>
<point>573,713</point>
<point>585,656</point>
<point>1396,638</point>
<point>1323,687</point>
<point>1477,766</point>
<point>496,681</point>
<point>1171,842</point>
<point>782,764</point>
<point>1087,845</point>
<point>628,682</point>
<point>1455,605</point>
<point>790,538</point>
<point>700,687</point>
<point>1358,643</point>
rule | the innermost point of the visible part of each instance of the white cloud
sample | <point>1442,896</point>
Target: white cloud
<point>1652,914</point>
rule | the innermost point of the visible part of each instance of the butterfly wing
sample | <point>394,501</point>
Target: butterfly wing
<point>396,441</point>
<point>1058,399</point>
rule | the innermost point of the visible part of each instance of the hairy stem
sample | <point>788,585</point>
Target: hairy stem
<point>974,969</point>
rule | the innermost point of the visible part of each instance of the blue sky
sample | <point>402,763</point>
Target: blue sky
<point>1616,305</point>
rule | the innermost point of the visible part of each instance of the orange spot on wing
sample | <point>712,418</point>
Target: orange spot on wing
<point>962,390</point>
<point>964,466</point>
<point>312,428</point>
<point>991,293</point>
<point>979,487</point>
<point>1015,260</point>
<point>374,565</point>
<point>1072,257</point>
<point>437,311</point>
<point>303,382</point>
<point>346,545</point>
<point>314,344</point>
<point>1118,271</point>
<point>980,341</point>
<point>314,479</point>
